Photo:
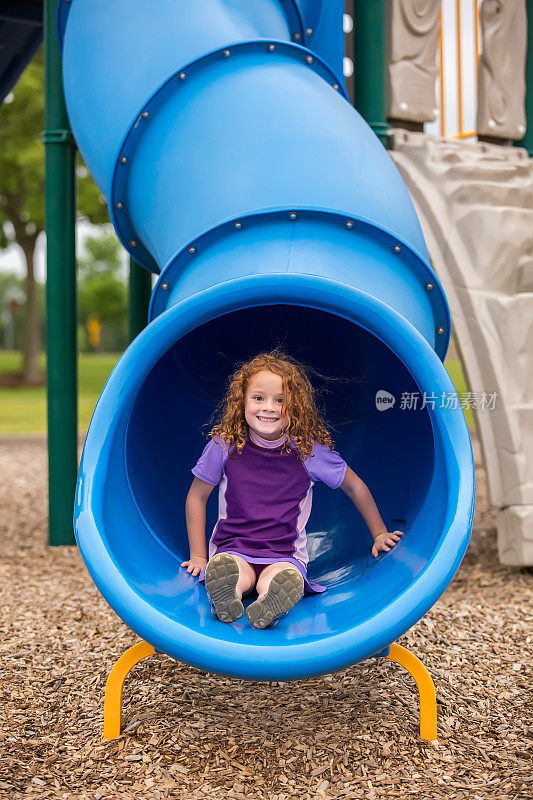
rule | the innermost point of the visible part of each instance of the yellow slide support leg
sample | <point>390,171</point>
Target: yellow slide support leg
<point>426,689</point>
<point>115,682</point>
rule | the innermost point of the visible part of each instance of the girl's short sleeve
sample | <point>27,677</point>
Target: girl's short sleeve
<point>210,465</point>
<point>326,465</point>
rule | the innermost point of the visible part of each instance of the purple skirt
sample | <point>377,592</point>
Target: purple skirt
<point>259,563</point>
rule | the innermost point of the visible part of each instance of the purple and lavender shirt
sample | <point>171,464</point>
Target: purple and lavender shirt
<point>264,498</point>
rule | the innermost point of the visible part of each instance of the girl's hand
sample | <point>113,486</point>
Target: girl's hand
<point>195,564</point>
<point>384,541</point>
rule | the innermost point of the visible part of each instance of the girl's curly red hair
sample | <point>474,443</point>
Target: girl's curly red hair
<point>305,426</point>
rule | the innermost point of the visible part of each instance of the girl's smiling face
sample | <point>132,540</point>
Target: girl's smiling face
<point>263,403</point>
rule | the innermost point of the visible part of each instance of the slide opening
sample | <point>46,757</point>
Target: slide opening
<point>393,451</point>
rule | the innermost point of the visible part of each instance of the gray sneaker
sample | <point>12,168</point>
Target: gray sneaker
<point>221,577</point>
<point>284,591</point>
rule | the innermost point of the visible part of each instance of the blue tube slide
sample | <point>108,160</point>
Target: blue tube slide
<point>235,168</point>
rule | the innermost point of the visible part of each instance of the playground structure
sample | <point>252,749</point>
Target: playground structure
<point>475,203</point>
<point>388,317</point>
<point>474,200</point>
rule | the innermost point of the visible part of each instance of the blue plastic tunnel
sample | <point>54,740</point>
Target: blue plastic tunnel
<point>234,166</point>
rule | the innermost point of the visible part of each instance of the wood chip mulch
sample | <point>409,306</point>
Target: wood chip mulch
<point>188,734</point>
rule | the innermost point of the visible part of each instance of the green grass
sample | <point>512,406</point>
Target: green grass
<point>24,410</point>
<point>455,371</point>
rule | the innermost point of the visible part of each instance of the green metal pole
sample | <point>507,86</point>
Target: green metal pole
<point>370,54</point>
<point>140,293</point>
<point>527,141</point>
<point>61,345</point>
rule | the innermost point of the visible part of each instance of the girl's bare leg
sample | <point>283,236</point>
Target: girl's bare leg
<point>247,577</point>
<point>266,575</point>
<point>226,578</point>
<point>279,587</point>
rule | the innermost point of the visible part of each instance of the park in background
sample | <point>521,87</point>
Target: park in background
<point>405,299</point>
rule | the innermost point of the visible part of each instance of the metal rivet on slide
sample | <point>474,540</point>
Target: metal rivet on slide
<point>238,225</point>
<point>145,114</point>
<point>336,87</point>
<point>226,53</point>
<point>440,330</point>
<point>164,286</point>
<point>296,37</point>
<point>309,59</point>
<point>271,48</point>
<point>133,243</point>
<point>192,249</point>
<point>181,76</point>
<point>123,160</point>
<point>429,286</point>
<point>119,206</point>
<point>293,215</point>
<point>309,31</point>
<point>349,224</point>
<point>397,248</point>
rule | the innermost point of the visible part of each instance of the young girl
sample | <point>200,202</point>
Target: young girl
<point>265,454</point>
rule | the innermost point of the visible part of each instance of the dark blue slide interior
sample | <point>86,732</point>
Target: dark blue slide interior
<point>392,451</point>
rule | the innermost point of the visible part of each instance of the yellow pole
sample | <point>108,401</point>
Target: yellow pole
<point>441,67</point>
<point>459,69</point>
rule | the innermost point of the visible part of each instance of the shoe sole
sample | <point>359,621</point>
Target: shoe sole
<point>221,578</point>
<point>284,591</point>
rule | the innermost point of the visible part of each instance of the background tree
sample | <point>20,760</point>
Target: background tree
<point>22,192</point>
<point>11,299</point>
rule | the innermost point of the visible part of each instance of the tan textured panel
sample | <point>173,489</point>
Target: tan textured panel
<point>475,203</point>
<point>515,535</point>
<point>502,85</point>
<point>413,27</point>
